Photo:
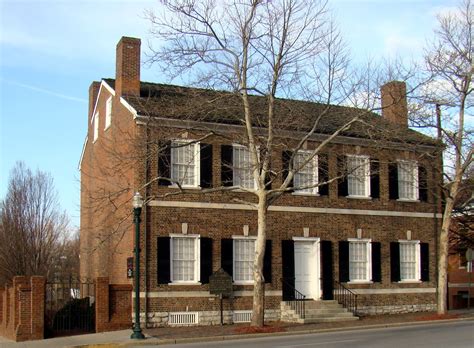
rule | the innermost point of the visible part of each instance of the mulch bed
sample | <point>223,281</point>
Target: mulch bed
<point>438,317</point>
<point>253,329</point>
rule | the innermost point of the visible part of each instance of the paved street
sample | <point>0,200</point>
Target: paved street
<point>452,335</point>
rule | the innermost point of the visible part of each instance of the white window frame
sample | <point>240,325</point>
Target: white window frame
<point>95,124</point>
<point>108,113</point>
<point>197,162</point>
<point>234,176</point>
<point>197,263</point>
<point>415,197</point>
<point>417,260</point>
<point>351,176</point>
<point>235,238</point>
<point>368,243</point>
<point>313,191</point>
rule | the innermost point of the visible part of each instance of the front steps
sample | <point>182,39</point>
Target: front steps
<point>316,312</point>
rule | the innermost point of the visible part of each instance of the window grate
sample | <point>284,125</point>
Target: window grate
<point>183,318</point>
<point>242,316</point>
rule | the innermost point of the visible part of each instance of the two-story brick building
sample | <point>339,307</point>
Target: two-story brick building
<point>373,227</point>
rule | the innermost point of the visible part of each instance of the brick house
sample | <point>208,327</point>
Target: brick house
<point>373,230</point>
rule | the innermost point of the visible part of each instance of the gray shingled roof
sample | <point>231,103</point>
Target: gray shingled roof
<point>176,102</point>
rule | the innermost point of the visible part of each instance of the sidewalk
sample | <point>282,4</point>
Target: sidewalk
<point>214,333</point>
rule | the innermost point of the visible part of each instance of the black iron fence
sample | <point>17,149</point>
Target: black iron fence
<point>346,297</point>
<point>69,307</point>
<point>293,298</point>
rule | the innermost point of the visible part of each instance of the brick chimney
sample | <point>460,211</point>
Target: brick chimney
<point>127,71</point>
<point>93,92</point>
<point>394,102</point>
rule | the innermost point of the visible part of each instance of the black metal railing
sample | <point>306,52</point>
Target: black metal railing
<point>346,297</point>
<point>292,297</point>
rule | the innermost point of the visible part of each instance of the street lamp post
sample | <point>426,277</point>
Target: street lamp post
<point>137,209</point>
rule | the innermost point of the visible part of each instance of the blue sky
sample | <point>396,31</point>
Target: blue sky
<point>50,51</point>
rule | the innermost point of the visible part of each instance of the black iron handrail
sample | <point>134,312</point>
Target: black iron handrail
<point>346,297</point>
<point>298,299</point>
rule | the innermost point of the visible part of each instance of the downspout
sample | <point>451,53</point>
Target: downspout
<point>145,218</point>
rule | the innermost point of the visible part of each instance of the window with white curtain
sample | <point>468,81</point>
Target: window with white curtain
<point>308,174</point>
<point>409,260</point>
<point>185,163</point>
<point>408,180</point>
<point>184,259</point>
<point>358,177</point>
<point>242,171</point>
<point>244,255</point>
<point>108,112</point>
<point>96,126</point>
<point>360,268</point>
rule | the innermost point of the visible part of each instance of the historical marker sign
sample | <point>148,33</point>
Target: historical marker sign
<point>220,283</point>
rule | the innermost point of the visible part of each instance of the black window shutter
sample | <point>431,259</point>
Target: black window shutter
<point>285,160</point>
<point>163,257</point>
<point>227,256</point>
<point>425,261</point>
<point>343,261</point>
<point>393,180</point>
<point>267,262</point>
<point>422,184</point>
<point>374,178</point>
<point>326,268</point>
<point>164,162</point>
<point>323,174</point>
<point>288,269</point>
<point>376,262</point>
<point>206,259</point>
<point>227,159</point>
<point>394,261</point>
<point>342,187</point>
<point>206,165</point>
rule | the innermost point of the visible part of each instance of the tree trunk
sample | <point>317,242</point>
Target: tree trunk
<point>259,282</point>
<point>444,248</point>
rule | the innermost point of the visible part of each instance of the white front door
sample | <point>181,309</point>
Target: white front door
<point>306,269</point>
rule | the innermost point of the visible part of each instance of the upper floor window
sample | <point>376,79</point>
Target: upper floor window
<point>242,168</point>
<point>409,260</point>
<point>360,260</point>
<point>185,163</point>
<point>184,258</point>
<point>244,255</point>
<point>96,126</point>
<point>108,112</point>
<point>358,177</point>
<point>407,180</point>
<point>307,176</point>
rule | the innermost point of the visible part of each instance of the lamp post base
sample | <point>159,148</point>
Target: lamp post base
<point>138,335</point>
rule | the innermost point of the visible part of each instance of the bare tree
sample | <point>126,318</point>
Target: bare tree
<point>270,49</point>
<point>450,66</point>
<point>32,227</point>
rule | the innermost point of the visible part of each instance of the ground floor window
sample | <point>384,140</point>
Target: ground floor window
<point>359,260</point>
<point>184,259</point>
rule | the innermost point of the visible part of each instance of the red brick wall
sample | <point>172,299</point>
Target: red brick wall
<point>22,309</point>
<point>113,306</point>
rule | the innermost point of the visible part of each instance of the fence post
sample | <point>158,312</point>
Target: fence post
<point>38,292</point>
<point>101,304</point>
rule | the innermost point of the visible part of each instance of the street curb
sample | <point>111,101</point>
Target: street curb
<point>157,341</point>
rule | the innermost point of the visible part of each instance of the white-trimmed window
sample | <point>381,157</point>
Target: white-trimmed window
<point>242,168</point>
<point>244,255</point>
<point>410,267</point>
<point>358,177</point>
<point>408,180</point>
<point>360,260</point>
<point>184,252</point>
<point>308,174</point>
<point>185,163</point>
<point>96,126</point>
<point>108,113</point>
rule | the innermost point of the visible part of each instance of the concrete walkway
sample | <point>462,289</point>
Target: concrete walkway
<point>206,334</point>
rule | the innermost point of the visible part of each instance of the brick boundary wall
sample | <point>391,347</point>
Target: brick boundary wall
<point>22,309</point>
<point>113,305</point>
